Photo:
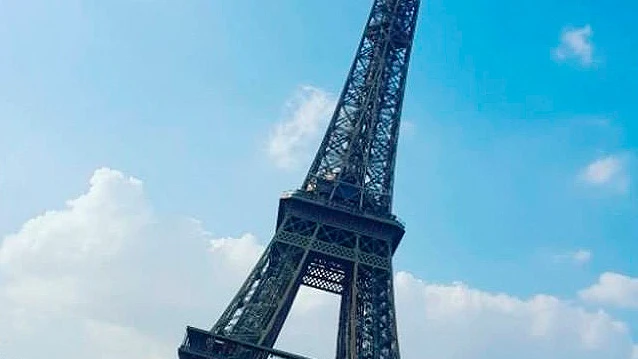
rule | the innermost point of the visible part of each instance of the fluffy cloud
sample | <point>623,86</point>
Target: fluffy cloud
<point>576,45</point>
<point>607,172</point>
<point>581,256</point>
<point>106,268</point>
<point>613,289</point>
<point>107,277</point>
<point>306,114</point>
<point>486,325</point>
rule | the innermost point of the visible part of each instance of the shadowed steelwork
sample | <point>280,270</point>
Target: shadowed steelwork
<point>337,233</point>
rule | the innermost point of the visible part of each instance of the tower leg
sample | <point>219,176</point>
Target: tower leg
<point>267,293</point>
<point>367,327</point>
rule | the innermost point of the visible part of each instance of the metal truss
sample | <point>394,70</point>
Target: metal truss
<point>354,166</point>
<point>336,233</point>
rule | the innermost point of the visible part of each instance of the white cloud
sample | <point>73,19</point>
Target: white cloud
<point>607,172</point>
<point>469,323</point>
<point>576,45</point>
<point>613,289</point>
<point>305,117</point>
<point>581,256</point>
<point>107,267</point>
<point>117,280</point>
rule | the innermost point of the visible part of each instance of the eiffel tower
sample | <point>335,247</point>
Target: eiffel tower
<point>337,232</point>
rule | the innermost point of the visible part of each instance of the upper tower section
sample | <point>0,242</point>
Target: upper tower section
<point>354,166</point>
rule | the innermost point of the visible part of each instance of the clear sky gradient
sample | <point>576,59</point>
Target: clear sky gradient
<point>516,170</point>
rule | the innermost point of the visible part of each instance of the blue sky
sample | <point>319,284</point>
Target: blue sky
<point>518,149</point>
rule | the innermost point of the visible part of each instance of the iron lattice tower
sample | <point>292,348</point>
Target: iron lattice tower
<point>337,232</point>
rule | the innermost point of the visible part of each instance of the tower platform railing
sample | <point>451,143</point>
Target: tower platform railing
<point>202,344</point>
<point>307,195</point>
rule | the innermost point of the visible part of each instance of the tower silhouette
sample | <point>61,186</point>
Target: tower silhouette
<point>337,232</point>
